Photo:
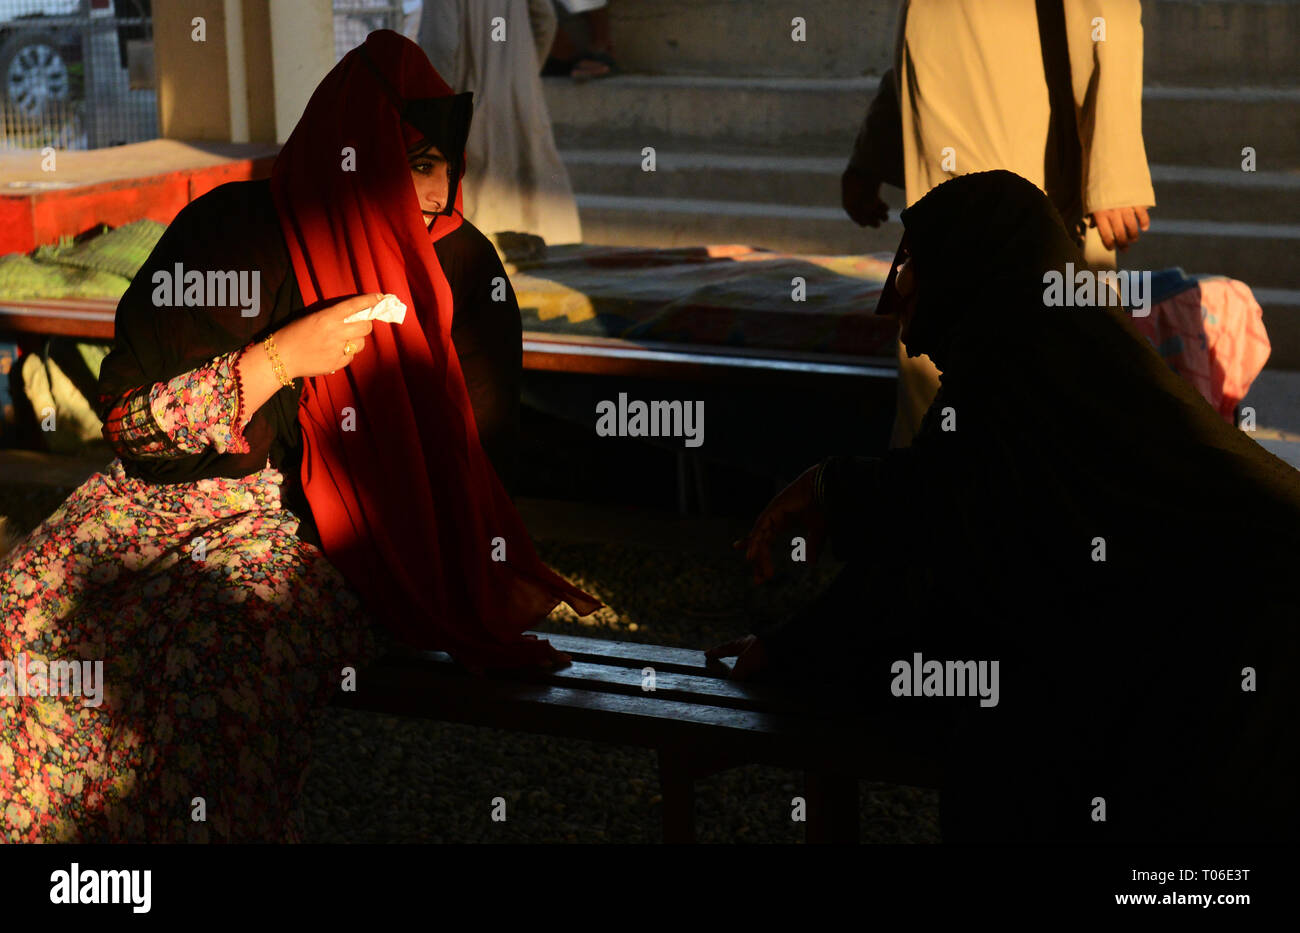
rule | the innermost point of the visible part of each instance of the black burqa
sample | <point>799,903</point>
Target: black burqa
<point>1058,431</point>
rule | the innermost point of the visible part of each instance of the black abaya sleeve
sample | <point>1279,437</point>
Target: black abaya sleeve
<point>890,519</point>
<point>232,229</point>
<point>857,496</point>
<point>864,501</point>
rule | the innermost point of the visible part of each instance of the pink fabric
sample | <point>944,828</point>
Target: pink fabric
<point>1213,336</point>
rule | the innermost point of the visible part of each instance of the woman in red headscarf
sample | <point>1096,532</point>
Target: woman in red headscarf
<point>285,480</point>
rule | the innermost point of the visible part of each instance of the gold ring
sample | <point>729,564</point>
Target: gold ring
<point>347,349</point>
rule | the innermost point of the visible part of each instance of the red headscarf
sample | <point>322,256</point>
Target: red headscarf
<point>408,506</point>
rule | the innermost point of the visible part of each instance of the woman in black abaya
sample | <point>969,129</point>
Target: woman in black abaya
<point>1075,510</point>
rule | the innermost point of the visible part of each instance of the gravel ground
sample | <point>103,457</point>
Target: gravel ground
<point>388,779</point>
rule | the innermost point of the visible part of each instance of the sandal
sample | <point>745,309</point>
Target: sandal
<point>603,58</point>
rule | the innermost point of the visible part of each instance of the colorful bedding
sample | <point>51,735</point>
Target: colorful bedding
<point>736,296</point>
<point>1210,330</point>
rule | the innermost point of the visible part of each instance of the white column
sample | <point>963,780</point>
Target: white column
<point>302,52</point>
<point>236,74</point>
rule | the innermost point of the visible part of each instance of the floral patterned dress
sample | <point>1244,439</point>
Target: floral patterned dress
<point>221,635</point>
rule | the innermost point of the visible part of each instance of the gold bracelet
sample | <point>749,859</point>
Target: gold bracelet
<point>277,366</point>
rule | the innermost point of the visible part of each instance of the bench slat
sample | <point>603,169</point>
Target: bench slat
<point>696,688</point>
<point>631,654</point>
<point>626,653</point>
<point>865,746</point>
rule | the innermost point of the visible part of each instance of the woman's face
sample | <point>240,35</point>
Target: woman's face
<point>430,172</point>
<point>905,283</point>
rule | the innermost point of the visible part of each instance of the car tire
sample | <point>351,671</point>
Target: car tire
<point>33,73</point>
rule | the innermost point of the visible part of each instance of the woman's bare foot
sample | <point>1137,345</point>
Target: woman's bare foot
<point>596,61</point>
<point>587,68</point>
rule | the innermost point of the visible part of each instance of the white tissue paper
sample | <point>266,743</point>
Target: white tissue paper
<point>390,310</point>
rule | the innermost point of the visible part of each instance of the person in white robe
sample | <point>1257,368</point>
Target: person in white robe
<point>514,178</point>
<point>1048,89</point>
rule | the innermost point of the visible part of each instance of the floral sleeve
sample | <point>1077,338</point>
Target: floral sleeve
<point>199,409</point>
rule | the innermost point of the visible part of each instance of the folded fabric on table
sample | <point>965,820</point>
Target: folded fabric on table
<point>730,295</point>
<point>91,266</point>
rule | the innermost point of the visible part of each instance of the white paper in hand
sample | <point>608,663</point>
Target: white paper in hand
<point>390,310</point>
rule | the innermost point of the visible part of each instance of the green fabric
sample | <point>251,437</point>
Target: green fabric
<point>23,277</point>
<point>99,267</point>
<point>119,252</point>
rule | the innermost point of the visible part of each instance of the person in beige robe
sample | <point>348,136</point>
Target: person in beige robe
<point>514,179</point>
<point>1048,89</point>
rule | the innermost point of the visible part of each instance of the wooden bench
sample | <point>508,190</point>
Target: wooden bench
<point>696,720</point>
<point>92,319</point>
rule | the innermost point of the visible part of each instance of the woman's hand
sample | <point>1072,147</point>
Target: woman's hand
<point>314,344</point>
<point>750,655</point>
<point>796,504</point>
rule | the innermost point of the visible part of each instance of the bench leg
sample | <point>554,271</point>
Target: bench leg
<point>677,787</point>
<point>832,808</point>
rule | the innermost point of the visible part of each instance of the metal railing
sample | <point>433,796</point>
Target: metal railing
<point>356,19</point>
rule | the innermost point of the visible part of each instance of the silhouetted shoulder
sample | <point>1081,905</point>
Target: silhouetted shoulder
<point>234,200</point>
<point>469,247</point>
<point>234,223</point>
<point>472,266</point>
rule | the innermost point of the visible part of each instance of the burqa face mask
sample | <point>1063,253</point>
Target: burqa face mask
<point>442,121</point>
<point>891,302</point>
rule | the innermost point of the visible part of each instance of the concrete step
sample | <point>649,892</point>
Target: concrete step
<point>1275,396</point>
<point>1282,321</point>
<point>1259,254</point>
<point>1183,192</point>
<point>1186,192</point>
<point>640,221</point>
<point>1210,126</point>
<point>821,117</point>
<point>724,37</point>
<point>1221,43</point>
<point>1214,42</point>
